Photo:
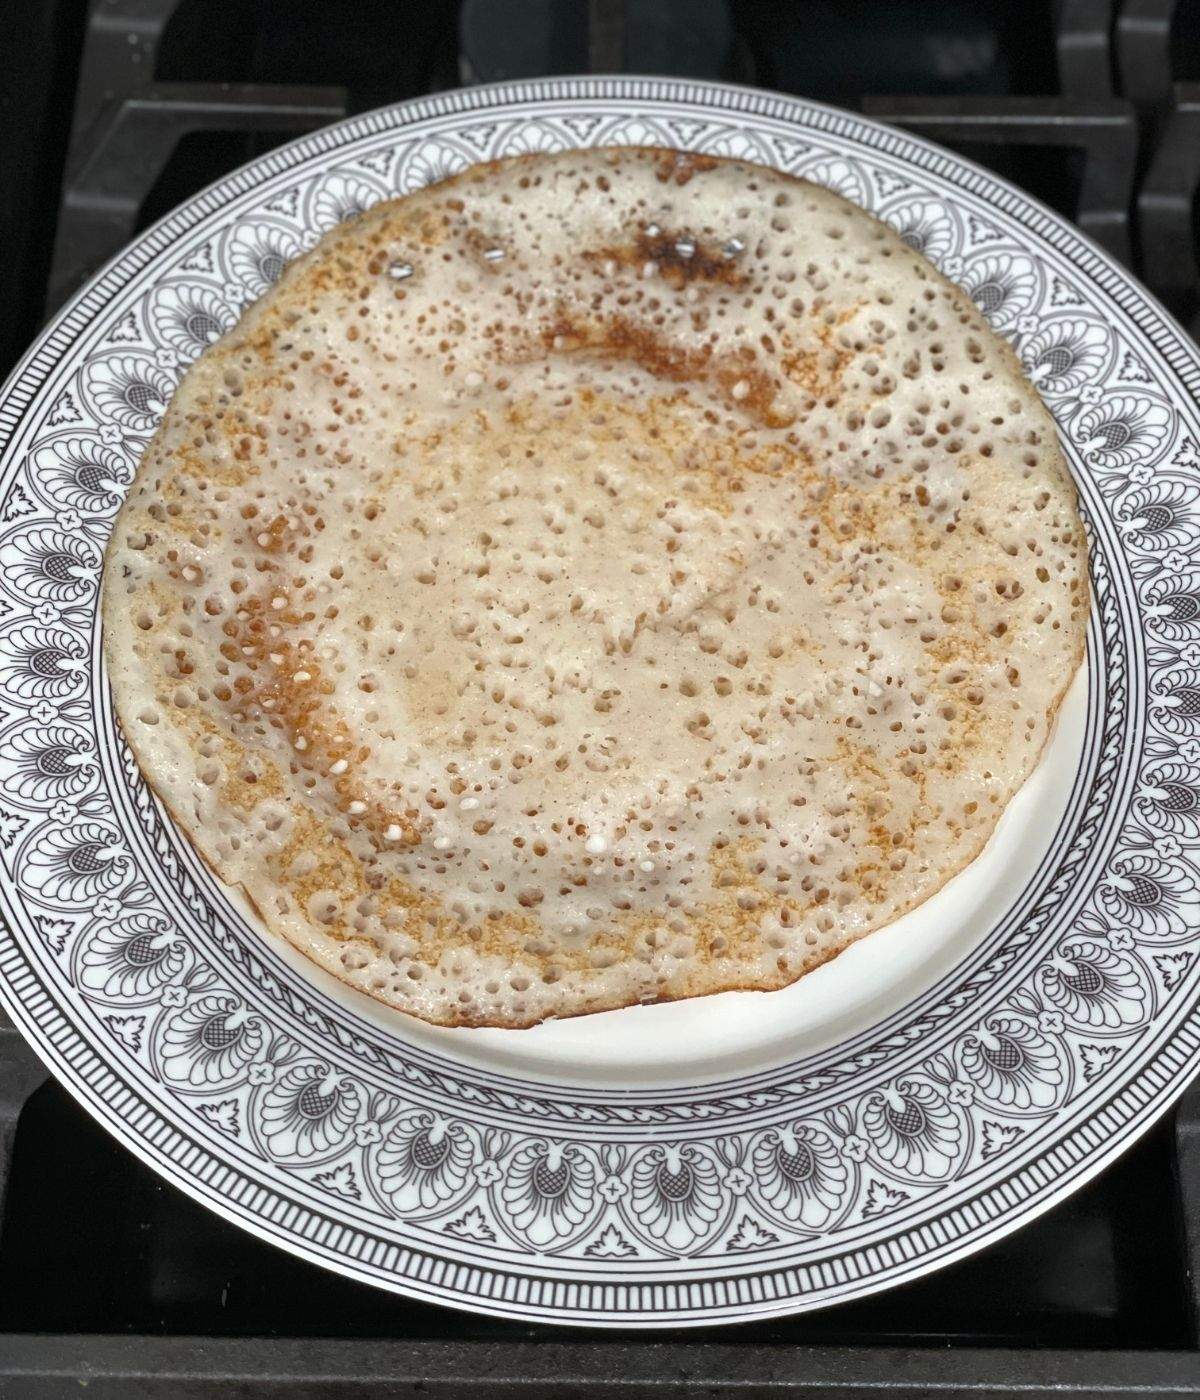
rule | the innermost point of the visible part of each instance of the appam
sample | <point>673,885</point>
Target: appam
<point>598,578</point>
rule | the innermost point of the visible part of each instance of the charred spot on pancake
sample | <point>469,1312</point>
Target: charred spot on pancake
<point>681,258</point>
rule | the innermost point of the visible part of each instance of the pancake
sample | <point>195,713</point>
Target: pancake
<point>600,578</point>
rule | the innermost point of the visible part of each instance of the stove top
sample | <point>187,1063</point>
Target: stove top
<point>113,112</point>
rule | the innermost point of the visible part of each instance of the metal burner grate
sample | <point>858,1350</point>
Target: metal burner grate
<point>127,125</point>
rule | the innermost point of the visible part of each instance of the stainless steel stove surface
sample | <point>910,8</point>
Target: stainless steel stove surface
<point>112,113</point>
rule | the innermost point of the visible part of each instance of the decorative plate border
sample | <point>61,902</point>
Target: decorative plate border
<point>1017,1076</point>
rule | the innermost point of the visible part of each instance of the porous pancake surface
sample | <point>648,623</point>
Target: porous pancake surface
<point>602,577</point>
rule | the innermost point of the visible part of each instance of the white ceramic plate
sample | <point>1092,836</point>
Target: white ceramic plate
<point>723,1159</point>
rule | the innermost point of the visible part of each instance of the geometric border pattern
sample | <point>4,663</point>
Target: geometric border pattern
<point>1060,1036</point>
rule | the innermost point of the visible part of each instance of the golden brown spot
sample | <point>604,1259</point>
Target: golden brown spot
<point>674,263</point>
<point>747,387</point>
<point>681,166</point>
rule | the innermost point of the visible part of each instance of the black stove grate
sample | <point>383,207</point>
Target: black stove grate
<point>111,1277</point>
